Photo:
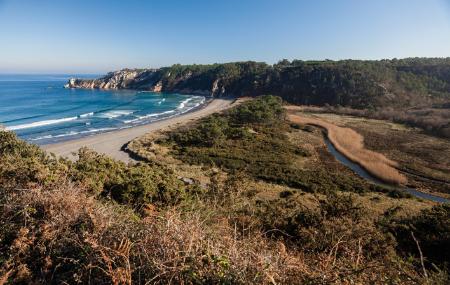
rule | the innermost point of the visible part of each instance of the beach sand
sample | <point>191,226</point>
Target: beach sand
<point>112,142</point>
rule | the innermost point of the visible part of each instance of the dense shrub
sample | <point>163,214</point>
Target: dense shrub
<point>252,138</point>
<point>431,229</point>
<point>55,227</point>
<point>135,185</point>
<point>23,165</point>
<point>264,110</point>
<point>211,131</point>
<point>63,236</point>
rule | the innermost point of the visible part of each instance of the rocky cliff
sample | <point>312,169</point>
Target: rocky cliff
<point>122,79</point>
<point>156,80</point>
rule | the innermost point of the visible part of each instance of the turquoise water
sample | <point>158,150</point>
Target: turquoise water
<point>41,111</point>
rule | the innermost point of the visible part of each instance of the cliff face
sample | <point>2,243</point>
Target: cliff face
<point>156,80</point>
<point>123,79</point>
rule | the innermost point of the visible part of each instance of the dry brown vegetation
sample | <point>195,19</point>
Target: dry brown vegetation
<point>99,221</point>
<point>422,158</point>
<point>434,121</point>
<point>351,144</point>
<point>81,240</point>
<point>64,235</point>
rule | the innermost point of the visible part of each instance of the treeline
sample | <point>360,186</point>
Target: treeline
<point>394,86</point>
<point>397,85</point>
<point>353,83</point>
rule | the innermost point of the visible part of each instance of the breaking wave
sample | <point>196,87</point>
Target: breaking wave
<point>73,133</point>
<point>40,124</point>
<point>115,114</point>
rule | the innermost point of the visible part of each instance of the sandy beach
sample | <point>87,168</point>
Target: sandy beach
<point>112,142</point>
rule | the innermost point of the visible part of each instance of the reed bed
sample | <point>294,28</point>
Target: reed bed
<point>351,144</point>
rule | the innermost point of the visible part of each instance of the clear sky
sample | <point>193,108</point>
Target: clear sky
<point>95,36</point>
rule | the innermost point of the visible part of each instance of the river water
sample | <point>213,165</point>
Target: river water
<point>364,174</point>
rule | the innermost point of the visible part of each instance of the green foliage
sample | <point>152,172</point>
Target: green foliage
<point>353,83</point>
<point>216,129</point>
<point>338,219</point>
<point>135,185</point>
<point>431,228</point>
<point>211,131</point>
<point>251,138</point>
<point>265,110</point>
<point>23,165</point>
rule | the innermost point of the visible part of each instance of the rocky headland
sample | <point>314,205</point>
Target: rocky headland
<point>156,80</point>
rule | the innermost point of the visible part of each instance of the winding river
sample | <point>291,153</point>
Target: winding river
<point>364,174</point>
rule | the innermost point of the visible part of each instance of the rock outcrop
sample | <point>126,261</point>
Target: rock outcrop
<point>122,79</point>
<point>156,80</point>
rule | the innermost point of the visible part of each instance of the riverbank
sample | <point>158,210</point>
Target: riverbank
<point>112,143</point>
<point>347,156</point>
<point>351,144</point>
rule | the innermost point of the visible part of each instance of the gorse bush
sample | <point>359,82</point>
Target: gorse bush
<point>264,110</point>
<point>252,138</point>
<point>133,185</point>
<point>211,131</point>
<point>431,229</point>
<point>63,236</point>
<point>99,221</point>
<point>24,165</point>
<point>215,129</point>
<point>57,227</point>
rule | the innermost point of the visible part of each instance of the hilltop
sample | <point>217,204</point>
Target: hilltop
<point>415,91</point>
<point>353,83</point>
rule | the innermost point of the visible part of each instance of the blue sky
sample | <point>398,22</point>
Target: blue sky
<point>95,36</point>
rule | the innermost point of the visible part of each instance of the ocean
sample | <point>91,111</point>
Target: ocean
<point>41,111</point>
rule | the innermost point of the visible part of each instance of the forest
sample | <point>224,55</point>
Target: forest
<point>413,91</point>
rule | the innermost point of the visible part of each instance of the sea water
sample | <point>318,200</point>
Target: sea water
<point>40,110</point>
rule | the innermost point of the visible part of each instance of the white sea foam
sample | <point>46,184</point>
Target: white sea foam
<point>184,102</point>
<point>73,133</point>
<point>140,118</point>
<point>87,115</point>
<point>40,124</point>
<point>162,101</point>
<point>115,114</point>
<point>181,109</point>
<point>184,107</point>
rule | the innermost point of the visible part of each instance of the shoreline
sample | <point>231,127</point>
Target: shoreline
<point>112,143</point>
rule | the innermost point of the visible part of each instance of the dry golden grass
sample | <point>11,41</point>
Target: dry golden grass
<point>169,247</point>
<point>351,144</point>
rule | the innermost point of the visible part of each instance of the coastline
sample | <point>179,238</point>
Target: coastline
<point>111,143</point>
